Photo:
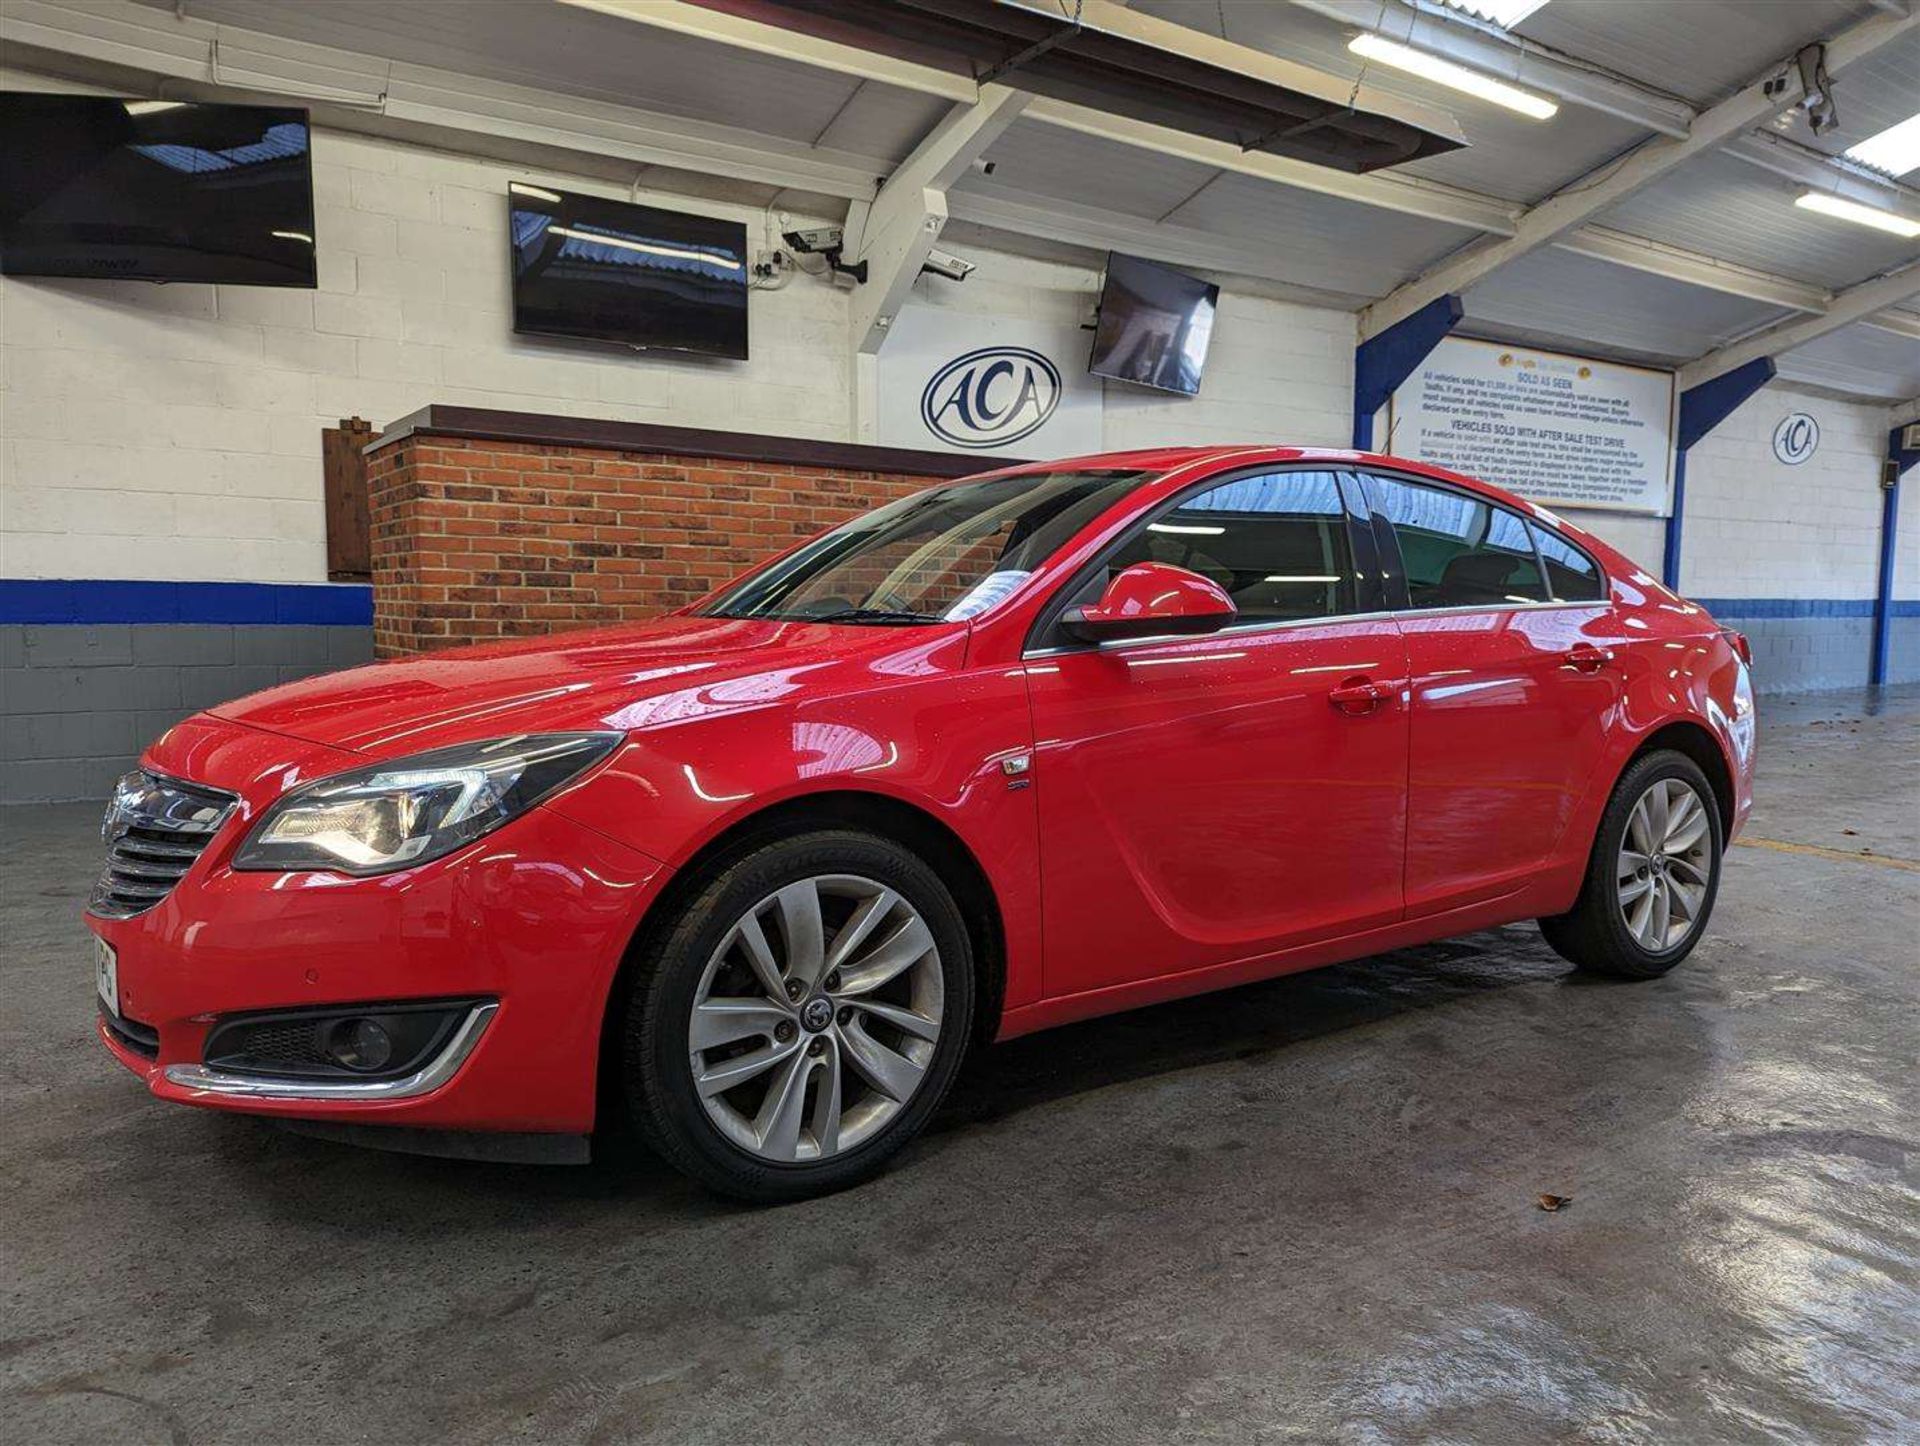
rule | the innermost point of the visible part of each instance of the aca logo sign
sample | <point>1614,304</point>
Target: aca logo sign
<point>1795,439</point>
<point>990,397</point>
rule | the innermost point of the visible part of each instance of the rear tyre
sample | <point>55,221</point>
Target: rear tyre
<point>804,1016</point>
<point>1652,877</point>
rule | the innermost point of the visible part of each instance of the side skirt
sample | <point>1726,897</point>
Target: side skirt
<point>1138,993</point>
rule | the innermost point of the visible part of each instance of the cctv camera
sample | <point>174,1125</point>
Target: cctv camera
<point>945,263</point>
<point>816,240</point>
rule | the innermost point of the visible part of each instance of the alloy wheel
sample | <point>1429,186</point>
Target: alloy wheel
<point>816,1019</point>
<point>1665,867</point>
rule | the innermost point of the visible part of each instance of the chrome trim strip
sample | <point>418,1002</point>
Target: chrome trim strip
<point>1331,620</point>
<point>428,1077</point>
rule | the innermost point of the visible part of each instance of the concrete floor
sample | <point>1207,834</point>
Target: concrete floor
<point>1303,1211</point>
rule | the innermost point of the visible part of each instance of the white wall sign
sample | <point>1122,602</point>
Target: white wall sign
<point>1554,428</point>
<point>1000,386</point>
<point>1796,438</point>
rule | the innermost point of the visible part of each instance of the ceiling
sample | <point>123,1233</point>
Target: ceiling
<point>1347,247</point>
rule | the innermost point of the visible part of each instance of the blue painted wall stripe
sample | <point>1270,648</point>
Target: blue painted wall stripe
<point>1728,608</point>
<point>84,601</point>
<point>80,602</point>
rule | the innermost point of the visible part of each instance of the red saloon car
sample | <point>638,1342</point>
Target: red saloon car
<point>1045,744</point>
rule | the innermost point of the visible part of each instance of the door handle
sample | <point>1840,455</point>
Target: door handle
<point>1586,658</point>
<point>1360,696</point>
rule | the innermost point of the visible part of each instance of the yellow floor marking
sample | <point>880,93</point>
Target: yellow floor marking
<point>1844,856</point>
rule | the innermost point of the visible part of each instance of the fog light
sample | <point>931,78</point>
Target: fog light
<point>360,1045</point>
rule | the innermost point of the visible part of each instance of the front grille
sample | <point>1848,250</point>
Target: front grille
<point>155,828</point>
<point>142,1039</point>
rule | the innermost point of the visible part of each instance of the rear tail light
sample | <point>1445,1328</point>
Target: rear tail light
<point>1737,640</point>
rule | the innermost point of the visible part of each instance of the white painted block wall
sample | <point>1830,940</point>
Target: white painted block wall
<point>173,431</point>
<point>1756,527</point>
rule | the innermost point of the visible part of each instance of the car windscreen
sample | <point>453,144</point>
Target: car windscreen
<point>938,556</point>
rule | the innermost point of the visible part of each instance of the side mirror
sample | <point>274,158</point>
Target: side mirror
<point>1150,599</point>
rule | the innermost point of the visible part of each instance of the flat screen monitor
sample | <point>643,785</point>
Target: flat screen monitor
<point>155,190</point>
<point>614,271</point>
<point>1154,327</point>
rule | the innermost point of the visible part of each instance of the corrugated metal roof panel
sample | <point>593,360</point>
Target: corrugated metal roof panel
<point>1858,359</point>
<point>1703,50</point>
<point>577,52</point>
<point>1049,161</point>
<point>1582,301</point>
<point>1726,208</point>
<point>1323,231</point>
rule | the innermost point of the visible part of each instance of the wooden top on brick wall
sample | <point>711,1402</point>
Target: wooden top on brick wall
<point>545,429</point>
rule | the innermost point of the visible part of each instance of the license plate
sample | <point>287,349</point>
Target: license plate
<point>106,975</point>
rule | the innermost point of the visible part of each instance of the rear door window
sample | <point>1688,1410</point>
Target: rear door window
<point>1459,551</point>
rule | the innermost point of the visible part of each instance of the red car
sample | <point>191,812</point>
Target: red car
<point>1058,741</point>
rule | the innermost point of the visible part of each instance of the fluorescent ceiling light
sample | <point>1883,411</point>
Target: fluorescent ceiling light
<point>1456,77</point>
<point>1860,215</point>
<point>1896,150</point>
<point>151,107</point>
<point>1188,531</point>
<point>1504,13</point>
<point>539,193</point>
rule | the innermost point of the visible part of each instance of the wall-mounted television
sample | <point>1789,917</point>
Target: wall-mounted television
<point>614,271</point>
<point>155,190</point>
<point>1154,325</point>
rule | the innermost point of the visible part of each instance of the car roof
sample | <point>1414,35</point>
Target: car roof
<point>1159,461</point>
<point>1168,459</point>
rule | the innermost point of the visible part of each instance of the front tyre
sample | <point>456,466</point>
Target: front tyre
<point>1652,877</point>
<point>804,1017</point>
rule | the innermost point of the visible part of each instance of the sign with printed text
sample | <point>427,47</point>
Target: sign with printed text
<point>1000,386</point>
<point>1554,428</point>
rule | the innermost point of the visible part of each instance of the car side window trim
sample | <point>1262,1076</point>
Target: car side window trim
<point>1396,566</point>
<point>1043,638</point>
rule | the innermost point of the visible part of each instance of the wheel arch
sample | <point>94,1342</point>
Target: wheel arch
<point>889,817</point>
<point>1697,742</point>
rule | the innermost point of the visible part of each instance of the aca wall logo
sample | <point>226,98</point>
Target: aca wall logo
<point>990,397</point>
<point>1796,438</point>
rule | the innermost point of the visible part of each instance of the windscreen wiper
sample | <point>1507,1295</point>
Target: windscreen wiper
<point>895,617</point>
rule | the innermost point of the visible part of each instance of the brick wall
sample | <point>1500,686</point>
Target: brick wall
<point>478,539</point>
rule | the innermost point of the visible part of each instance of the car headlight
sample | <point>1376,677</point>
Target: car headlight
<point>404,812</point>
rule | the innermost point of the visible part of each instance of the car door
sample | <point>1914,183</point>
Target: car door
<point>1208,799</point>
<point>1513,687</point>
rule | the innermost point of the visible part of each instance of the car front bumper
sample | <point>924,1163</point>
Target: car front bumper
<point>528,925</point>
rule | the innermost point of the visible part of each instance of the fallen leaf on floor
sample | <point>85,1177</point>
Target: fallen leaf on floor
<point>1555,1202</point>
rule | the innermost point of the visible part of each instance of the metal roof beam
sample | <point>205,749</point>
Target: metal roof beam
<point>1900,323</point>
<point>1575,204</point>
<point>1856,303</point>
<point>1658,259</point>
<point>898,229</point>
<point>1834,175</point>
